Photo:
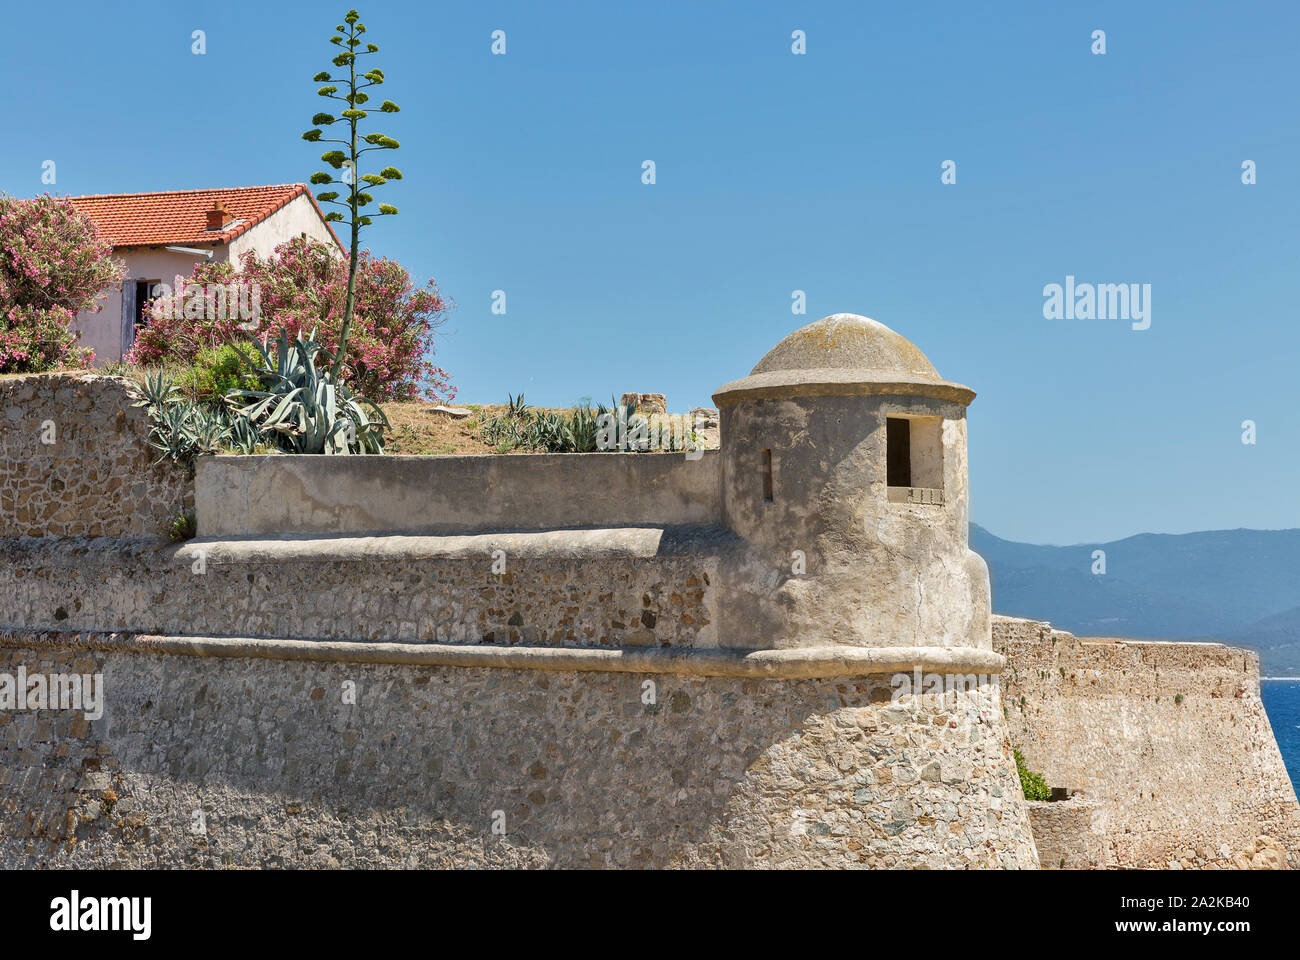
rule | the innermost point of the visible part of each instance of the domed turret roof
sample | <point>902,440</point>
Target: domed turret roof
<point>847,341</point>
<point>843,354</point>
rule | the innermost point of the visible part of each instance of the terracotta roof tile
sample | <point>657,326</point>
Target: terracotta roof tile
<point>180,216</point>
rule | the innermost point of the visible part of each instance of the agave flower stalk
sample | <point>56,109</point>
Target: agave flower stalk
<point>348,159</point>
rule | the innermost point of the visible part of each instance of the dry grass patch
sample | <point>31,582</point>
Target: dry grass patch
<point>420,429</point>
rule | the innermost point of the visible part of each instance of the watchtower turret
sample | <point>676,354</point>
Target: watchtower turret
<point>844,467</point>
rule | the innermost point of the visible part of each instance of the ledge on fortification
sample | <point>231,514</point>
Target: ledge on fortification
<point>698,540</point>
<point>587,543</point>
<point>790,664</point>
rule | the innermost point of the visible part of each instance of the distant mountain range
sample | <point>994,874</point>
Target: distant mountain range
<point>1237,586</point>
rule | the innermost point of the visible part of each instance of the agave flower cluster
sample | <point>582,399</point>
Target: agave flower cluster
<point>53,265</point>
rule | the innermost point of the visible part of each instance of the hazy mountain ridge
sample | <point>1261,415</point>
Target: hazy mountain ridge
<point>1239,586</point>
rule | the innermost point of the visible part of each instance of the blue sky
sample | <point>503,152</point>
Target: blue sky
<point>776,173</point>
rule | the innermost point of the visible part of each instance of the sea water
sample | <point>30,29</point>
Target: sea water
<point>1282,703</point>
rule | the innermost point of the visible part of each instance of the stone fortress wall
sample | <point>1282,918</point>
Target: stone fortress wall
<point>1167,744</point>
<point>443,766</point>
<point>337,672</point>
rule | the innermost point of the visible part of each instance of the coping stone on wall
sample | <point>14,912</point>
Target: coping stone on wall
<point>798,663</point>
<point>585,543</point>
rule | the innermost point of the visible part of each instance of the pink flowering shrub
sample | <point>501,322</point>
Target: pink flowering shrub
<point>300,288</point>
<point>53,264</point>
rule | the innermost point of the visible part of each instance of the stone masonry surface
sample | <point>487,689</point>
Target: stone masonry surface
<point>1069,834</point>
<point>96,478</point>
<point>578,769</point>
<point>1169,739</point>
<point>1168,744</point>
<point>143,587</point>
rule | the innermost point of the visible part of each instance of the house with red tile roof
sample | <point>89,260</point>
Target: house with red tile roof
<point>160,236</point>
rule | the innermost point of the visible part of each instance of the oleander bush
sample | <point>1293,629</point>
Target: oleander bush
<point>53,265</point>
<point>299,289</point>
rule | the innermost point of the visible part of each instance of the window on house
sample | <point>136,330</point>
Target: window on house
<point>767,476</point>
<point>145,290</point>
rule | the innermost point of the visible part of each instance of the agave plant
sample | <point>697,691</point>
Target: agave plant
<point>520,425</point>
<point>178,428</point>
<point>548,431</point>
<point>584,427</point>
<point>244,435</point>
<point>302,407</point>
<point>208,427</point>
<point>182,430</point>
<point>516,407</point>
<point>156,392</point>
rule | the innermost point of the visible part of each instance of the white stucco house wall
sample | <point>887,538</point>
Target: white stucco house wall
<point>160,236</point>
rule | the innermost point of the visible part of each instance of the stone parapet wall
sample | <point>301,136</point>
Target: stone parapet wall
<point>74,462</point>
<point>246,496</point>
<point>449,766</point>
<point>1169,739</point>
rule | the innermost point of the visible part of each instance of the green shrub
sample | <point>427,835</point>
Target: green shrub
<point>218,371</point>
<point>183,527</point>
<point>1032,785</point>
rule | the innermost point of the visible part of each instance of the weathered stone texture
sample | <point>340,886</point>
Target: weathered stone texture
<point>1168,743</point>
<point>97,478</point>
<point>645,402</point>
<point>717,772</point>
<point>1169,739</point>
<point>273,494</point>
<point>142,587</point>
<point>1069,834</point>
